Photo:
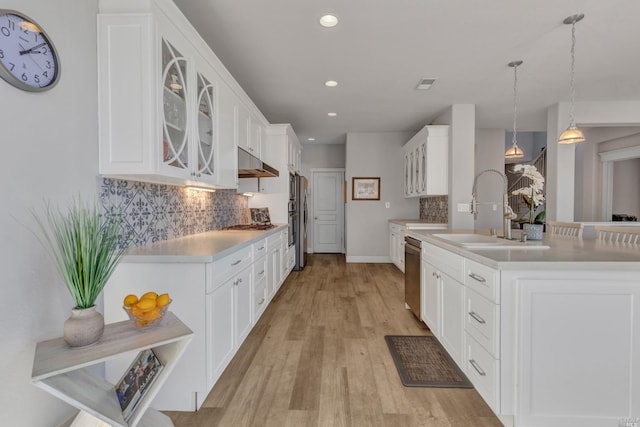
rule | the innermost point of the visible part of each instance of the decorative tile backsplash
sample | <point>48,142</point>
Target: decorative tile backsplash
<point>434,209</point>
<point>155,212</point>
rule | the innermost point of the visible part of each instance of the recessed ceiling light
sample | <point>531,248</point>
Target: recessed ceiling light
<point>331,83</point>
<point>425,84</point>
<point>332,114</point>
<point>328,21</point>
<point>311,139</point>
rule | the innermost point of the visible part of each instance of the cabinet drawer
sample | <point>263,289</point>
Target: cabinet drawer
<point>260,269</point>
<point>444,261</point>
<point>259,248</point>
<point>483,371</point>
<point>481,279</point>
<point>259,298</point>
<point>482,319</point>
<point>229,266</point>
<point>274,240</point>
<point>397,229</point>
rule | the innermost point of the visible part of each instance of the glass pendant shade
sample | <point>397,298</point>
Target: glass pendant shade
<point>514,152</point>
<point>572,135</point>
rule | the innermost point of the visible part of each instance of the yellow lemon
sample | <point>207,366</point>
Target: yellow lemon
<point>146,304</point>
<point>151,294</point>
<point>163,300</point>
<point>129,300</point>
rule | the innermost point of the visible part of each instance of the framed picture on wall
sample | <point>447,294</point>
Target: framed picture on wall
<point>365,189</point>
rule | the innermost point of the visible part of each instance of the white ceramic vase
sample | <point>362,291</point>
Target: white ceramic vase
<point>84,327</point>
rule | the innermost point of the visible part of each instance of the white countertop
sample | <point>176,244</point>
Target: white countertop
<point>563,253</point>
<point>198,248</point>
<point>418,223</point>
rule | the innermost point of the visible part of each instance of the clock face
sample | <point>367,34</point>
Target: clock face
<point>28,59</point>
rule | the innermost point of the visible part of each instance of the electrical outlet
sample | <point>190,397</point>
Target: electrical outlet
<point>464,207</point>
<point>387,205</point>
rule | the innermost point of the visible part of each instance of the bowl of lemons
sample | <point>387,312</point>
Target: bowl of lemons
<point>147,311</point>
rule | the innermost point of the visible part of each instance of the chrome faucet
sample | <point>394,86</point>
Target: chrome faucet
<point>507,212</point>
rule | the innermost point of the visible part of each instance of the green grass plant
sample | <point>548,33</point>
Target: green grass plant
<point>85,250</point>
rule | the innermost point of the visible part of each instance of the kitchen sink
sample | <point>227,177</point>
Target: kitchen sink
<point>481,241</point>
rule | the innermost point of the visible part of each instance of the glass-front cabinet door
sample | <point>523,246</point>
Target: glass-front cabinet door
<point>175,142</point>
<point>206,129</point>
<point>423,167</point>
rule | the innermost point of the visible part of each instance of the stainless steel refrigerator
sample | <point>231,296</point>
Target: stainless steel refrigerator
<point>301,224</point>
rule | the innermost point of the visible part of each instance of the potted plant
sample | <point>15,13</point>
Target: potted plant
<point>534,197</point>
<point>86,252</point>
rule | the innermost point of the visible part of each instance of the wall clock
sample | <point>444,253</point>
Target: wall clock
<point>28,59</point>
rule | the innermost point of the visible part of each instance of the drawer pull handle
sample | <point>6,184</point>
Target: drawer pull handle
<point>477,367</point>
<point>261,248</point>
<point>239,281</point>
<point>261,301</point>
<point>477,317</point>
<point>480,279</point>
<point>261,273</point>
<point>237,262</point>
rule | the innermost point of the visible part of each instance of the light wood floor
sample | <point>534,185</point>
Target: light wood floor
<point>317,357</point>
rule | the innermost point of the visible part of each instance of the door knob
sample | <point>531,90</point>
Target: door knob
<point>315,217</point>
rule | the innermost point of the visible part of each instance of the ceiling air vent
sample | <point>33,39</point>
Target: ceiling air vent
<point>425,84</point>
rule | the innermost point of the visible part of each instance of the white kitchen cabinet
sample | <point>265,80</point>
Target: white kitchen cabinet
<point>452,317</point>
<point>294,154</point>
<point>220,307</point>
<point>430,297</point>
<point>228,152</point>
<point>396,244</point>
<point>219,301</point>
<point>274,260</point>
<point>243,306</point>
<point>579,345</point>
<point>169,111</point>
<point>63,372</point>
<point>425,167</point>
<point>164,129</point>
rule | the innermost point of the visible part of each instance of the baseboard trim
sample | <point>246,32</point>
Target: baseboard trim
<point>369,259</point>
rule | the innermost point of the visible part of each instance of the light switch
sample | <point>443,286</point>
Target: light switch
<point>464,207</point>
<point>387,205</point>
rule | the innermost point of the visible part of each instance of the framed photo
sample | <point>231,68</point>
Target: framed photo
<point>365,189</point>
<point>136,381</point>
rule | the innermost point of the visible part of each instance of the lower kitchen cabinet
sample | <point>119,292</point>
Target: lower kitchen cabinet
<point>219,301</point>
<point>543,346</point>
<point>396,245</point>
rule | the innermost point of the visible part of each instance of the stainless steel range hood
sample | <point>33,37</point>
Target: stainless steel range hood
<point>249,166</point>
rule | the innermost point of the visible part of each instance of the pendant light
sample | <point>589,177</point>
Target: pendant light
<point>514,152</point>
<point>572,135</point>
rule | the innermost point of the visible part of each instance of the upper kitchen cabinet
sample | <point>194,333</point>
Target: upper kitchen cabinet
<point>249,131</point>
<point>295,154</point>
<point>426,162</point>
<point>169,111</point>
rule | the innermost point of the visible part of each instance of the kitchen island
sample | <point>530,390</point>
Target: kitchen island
<point>220,283</point>
<point>548,335</point>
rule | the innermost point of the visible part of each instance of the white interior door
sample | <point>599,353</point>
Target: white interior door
<point>328,211</point>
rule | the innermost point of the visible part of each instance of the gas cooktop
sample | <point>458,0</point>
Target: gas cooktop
<point>249,227</point>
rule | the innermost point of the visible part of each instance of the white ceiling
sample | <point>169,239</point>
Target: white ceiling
<point>380,49</point>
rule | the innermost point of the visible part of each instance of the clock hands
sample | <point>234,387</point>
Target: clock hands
<point>32,49</point>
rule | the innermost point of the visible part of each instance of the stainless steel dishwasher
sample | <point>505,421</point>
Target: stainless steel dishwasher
<point>412,264</point>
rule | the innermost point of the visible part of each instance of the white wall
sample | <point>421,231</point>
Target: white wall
<point>322,156</point>
<point>367,227</point>
<point>462,121</point>
<point>489,154</point>
<point>50,152</point>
